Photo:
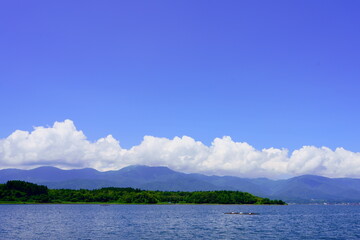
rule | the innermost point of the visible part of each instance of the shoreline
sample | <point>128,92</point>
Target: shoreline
<point>115,203</point>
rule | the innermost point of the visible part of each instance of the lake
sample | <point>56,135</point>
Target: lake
<point>178,222</point>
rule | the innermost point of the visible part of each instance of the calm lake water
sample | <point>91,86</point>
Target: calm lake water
<point>178,222</point>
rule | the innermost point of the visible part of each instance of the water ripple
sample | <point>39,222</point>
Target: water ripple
<point>178,222</point>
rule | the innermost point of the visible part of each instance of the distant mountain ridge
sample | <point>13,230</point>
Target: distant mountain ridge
<point>302,189</point>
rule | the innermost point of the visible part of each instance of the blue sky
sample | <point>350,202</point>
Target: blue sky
<point>281,74</point>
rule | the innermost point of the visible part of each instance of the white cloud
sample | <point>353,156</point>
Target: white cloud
<point>62,145</point>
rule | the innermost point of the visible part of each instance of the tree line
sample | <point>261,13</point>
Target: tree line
<point>21,191</point>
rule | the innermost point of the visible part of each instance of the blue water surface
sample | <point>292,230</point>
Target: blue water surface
<point>178,222</point>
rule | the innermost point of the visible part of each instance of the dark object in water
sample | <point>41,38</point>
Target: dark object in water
<point>242,213</point>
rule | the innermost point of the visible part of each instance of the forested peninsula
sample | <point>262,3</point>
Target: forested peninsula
<point>24,192</point>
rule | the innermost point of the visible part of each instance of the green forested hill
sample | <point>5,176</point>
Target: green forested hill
<point>20,191</point>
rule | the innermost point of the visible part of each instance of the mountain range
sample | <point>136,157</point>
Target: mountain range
<point>301,189</point>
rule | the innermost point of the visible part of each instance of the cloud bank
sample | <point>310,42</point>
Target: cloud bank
<point>62,145</point>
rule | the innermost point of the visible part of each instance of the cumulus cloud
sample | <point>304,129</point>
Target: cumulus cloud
<point>62,145</point>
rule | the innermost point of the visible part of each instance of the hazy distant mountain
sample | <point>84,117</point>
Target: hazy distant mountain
<point>307,188</point>
<point>316,188</point>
